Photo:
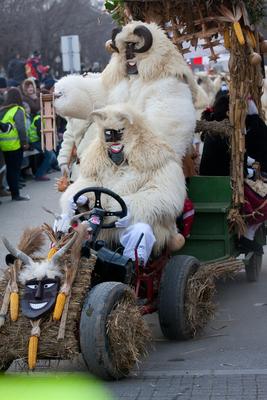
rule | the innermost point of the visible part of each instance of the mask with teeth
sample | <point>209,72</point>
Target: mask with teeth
<point>130,62</point>
<point>39,297</point>
<point>115,149</point>
<point>116,153</point>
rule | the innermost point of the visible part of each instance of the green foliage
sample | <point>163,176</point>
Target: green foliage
<point>116,9</point>
<point>255,8</point>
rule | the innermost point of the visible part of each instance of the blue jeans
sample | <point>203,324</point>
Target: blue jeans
<point>49,159</point>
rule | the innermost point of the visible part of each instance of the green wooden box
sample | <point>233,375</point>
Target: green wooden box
<point>210,238</point>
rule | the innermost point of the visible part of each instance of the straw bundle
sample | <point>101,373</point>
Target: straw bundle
<point>14,336</point>
<point>201,289</point>
<point>128,334</point>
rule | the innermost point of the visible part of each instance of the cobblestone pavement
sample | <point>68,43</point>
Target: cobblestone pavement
<point>207,385</point>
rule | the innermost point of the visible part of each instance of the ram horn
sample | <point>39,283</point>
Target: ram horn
<point>16,252</point>
<point>143,32</point>
<point>109,46</point>
<point>63,250</point>
<point>114,33</point>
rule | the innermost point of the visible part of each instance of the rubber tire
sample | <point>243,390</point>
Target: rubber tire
<point>253,268</point>
<point>4,367</point>
<point>93,338</point>
<point>172,315</point>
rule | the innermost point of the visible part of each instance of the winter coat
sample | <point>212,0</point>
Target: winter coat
<point>19,119</point>
<point>16,70</point>
<point>34,103</point>
<point>256,140</point>
<point>78,133</point>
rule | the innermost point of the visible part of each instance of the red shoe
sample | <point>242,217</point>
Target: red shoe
<point>42,178</point>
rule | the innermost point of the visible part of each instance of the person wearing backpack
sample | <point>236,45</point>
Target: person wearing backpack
<point>13,141</point>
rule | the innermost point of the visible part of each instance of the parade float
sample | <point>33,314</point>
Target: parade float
<point>84,297</point>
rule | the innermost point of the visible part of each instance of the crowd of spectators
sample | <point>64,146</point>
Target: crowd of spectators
<point>21,154</point>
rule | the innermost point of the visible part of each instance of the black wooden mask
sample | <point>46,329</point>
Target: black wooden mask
<point>130,56</point>
<point>39,297</point>
<point>113,135</point>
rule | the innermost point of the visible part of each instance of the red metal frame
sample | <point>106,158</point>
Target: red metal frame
<point>147,282</point>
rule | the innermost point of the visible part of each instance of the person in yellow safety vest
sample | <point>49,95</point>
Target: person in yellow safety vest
<point>49,159</point>
<point>13,142</point>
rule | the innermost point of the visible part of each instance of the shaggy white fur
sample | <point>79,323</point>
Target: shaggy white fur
<point>207,85</point>
<point>76,96</point>
<point>162,90</point>
<point>150,179</point>
<point>38,270</point>
<point>202,100</point>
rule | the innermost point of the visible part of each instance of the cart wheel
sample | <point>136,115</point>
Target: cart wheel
<point>94,341</point>
<point>172,313</point>
<point>4,366</point>
<point>253,267</point>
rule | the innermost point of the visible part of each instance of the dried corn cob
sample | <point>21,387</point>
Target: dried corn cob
<point>252,39</point>
<point>14,306</point>
<point>226,38</point>
<point>239,33</point>
<point>32,352</point>
<point>59,306</point>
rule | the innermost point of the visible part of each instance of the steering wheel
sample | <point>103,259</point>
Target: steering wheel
<point>98,191</point>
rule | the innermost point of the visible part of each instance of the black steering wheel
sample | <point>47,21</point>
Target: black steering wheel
<point>98,191</point>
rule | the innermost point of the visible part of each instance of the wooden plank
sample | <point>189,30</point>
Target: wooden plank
<point>49,138</point>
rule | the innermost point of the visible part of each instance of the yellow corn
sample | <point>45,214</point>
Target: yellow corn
<point>226,39</point>
<point>239,33</point>
<point>32,352</point>
<point>252,39</point>
<point>14,306</point>
<point>51,252</point>
<point>59,306</point>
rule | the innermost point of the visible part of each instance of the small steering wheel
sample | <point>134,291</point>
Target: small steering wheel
<point>98,191</point>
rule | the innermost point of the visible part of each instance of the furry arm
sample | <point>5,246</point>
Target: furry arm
<point>77,96</point>
<point>73,134</point>
<point>66,146</point>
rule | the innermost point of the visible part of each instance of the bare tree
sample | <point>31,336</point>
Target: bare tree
<point>27,25</point>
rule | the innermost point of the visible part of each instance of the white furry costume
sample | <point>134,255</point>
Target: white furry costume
<point>150,179</point>
<point>161,91</point>
<point>79,133</point>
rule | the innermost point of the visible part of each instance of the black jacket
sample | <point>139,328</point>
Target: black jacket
<point>256,140</point>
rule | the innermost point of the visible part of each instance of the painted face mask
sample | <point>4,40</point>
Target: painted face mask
<point>39,297</point>
<point>115,150</point>
<point>130,59</point>
<point>133,49</point>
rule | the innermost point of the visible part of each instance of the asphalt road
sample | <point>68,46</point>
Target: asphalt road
<point>226,361</point>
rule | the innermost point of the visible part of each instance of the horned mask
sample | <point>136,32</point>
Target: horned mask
<point>138,41</point>
<point>41,281</point>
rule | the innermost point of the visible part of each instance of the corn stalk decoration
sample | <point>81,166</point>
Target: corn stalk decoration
<point>215,22</point>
